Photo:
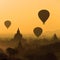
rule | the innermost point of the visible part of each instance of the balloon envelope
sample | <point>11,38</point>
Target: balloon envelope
<point>7,23</point>
<point>37,31</point>
<point>44,15</point>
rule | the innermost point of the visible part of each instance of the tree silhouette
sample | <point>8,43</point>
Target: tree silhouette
<point>11,51</point>
<point>3,56</point>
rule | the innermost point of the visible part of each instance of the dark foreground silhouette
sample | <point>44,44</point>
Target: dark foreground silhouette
<point>49,56</point>
<point>33,50</point>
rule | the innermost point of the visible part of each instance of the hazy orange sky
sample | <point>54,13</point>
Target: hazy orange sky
<point>24,14</point>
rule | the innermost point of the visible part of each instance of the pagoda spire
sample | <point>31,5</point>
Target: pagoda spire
<point>18,35</point>
<point>18,31</point>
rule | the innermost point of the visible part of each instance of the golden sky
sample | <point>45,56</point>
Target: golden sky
<point>24,14</point>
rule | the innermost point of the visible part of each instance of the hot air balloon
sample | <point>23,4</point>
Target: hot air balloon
<point>7,23</point>
<point>37,31</point>
<point>43,15</point>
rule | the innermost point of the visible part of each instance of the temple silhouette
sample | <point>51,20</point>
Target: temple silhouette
<point>18,35</point>
<point>55,38</point>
